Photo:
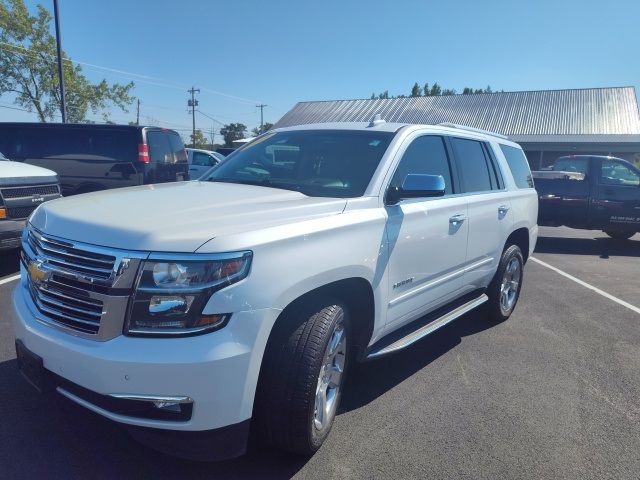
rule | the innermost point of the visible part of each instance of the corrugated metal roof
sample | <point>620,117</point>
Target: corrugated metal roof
<point>592,111</point>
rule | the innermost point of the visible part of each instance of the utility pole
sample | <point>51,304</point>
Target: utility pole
<point>261,107</point>
<point>63,104</point>
<point>138,113</point>
<point>193,103</point>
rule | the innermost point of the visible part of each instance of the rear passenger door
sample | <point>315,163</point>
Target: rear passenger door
<point>490,221</point>
<point>427,236</point>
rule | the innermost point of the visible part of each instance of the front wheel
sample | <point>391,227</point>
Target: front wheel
<point>504,289</point>
<point>620,234</point>
<point>302,375</point>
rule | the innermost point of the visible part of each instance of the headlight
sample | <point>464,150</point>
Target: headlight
<point>172,291</point>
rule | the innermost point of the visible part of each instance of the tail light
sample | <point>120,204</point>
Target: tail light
<point>143,153</point>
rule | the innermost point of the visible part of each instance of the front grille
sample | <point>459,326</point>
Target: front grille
<point>79,287</point>
<point>71,259</point>
<point>20,212</point>
<point>68,306</point>
<point>29,191</point>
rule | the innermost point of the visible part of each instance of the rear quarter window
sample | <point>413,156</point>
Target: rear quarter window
<point>518,165</point>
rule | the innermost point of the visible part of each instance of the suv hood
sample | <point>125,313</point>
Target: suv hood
<point>175,217</point>
<point>10,172</point>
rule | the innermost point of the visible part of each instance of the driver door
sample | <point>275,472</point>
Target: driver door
<point>427,236</point>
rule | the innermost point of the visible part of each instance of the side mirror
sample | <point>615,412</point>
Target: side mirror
<point>417,186</point>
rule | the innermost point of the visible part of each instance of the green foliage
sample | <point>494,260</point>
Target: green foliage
<point>265,128</point>
<point>29,70</point>
<point>430,91</point>
<point>233,131</point>
<point>200,141</point>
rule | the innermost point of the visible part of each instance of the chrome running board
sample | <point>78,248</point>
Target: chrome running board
<point>430,327</point>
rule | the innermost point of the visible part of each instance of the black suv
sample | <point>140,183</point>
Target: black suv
<point>90,157</point>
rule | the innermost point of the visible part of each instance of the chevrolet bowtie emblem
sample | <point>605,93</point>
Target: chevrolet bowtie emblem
<point>37,274</point>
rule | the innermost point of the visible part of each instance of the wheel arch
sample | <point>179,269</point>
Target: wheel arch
<point>519,237</point>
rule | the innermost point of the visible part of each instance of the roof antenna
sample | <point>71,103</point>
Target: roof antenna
<point>376,120</point>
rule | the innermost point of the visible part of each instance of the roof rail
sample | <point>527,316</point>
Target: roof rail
<point>472,129</point>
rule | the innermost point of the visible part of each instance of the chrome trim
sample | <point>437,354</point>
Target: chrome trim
<point>152,398</point>
<point>429,328</point>
<point>439,280</point>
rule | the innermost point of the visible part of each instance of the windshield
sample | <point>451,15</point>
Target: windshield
<point>317,163</point>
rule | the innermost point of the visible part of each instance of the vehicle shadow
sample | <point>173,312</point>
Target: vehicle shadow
<point>602,247</point>
<point>369,380</point>
<point>47,436</point>
<point>9,262</point>
<point>72,442</point>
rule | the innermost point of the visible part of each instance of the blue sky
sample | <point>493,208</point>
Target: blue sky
<point>280,52</point>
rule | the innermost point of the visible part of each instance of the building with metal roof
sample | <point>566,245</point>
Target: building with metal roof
<point>547,123</point>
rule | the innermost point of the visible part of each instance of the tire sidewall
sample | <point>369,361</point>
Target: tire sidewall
<point>316,439</point>
<point>494,307</point>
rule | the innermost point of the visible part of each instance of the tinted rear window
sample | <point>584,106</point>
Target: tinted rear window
<point>85,143</point>
<point>473,166</point>
<point>518,165</point>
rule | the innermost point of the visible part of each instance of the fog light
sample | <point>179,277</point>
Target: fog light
<point>168,406</point>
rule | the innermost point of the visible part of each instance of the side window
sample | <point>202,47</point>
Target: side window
<point>203,160</point>
<point>472,164</point>
<point>613,172</point>
<point>426,155</point>
<point>571,164</point>
<point>518,165</point>
<point>497,182</point>
<point>159,148</point>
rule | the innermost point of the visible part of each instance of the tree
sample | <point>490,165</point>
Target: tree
<point>435,90</point>
<point>28,69</point>
<point>426,89</point>
<point>233,131</point>
<point>416,91</point>
<point>265,128</point>
<point>200,141</point>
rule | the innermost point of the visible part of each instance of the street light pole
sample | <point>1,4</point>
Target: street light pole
<point>63,104</point>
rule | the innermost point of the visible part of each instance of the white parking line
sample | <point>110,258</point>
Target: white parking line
<point>9,279</point>
<point>586,285</point>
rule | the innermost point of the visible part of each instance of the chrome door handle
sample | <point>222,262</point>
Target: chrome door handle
<point>457,219</point>
<point>503,209</point>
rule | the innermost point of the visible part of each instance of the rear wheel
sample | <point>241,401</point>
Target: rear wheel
<point>620,234</point>
<point>302,376</point>
<point>504,289</point>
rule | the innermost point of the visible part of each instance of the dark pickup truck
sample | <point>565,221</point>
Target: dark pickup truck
<point>592,192</point>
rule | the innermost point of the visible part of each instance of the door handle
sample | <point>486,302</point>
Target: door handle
<point>503,209</point>
<point>457,219</point>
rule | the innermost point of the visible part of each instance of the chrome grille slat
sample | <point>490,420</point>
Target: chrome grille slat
<point>63,296</point>
<point>48,248</point>
<point>56,314</point>
<point>42,295</point>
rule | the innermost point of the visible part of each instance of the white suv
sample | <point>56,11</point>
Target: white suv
<point>189,310</point>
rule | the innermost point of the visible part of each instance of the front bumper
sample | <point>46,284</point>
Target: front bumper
<point>11,233</point>
<point>218,371</point>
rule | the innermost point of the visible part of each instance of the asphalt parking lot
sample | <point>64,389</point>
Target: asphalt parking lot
<point>552,393</point>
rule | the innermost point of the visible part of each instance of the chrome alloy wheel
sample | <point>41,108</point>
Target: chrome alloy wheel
<point>510,284</point>
<point>330,378</point>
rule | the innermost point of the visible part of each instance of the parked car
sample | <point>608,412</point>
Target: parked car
<point>22,189</point>
<point>246,295</point>
<point>90,157</point>
<point>200,161</point>
<point>592,192</point>
<point>226,151</point>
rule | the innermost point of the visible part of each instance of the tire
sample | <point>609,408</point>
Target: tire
<point>295,373</point>
<point>620,234</point>
<point>502,302</point>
